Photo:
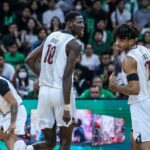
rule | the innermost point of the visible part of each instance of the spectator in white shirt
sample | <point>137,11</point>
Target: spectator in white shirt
<point>6,70</point>
<point>52,12</point>
<point>120,15</point>
<point>90,60</point>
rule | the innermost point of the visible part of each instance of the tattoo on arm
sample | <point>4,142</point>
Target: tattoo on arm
<point>14,111</point>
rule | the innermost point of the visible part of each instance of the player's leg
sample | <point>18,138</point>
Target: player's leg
<point>65,137</point>
<point>50,140</point>
<point>145,146</point>
<point>134,145</point>
<point>46,120</point>
<point>140,122</point>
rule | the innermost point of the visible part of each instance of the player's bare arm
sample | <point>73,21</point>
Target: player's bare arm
<point>14,110</point>
<point>129,66</point>
<point>73,51</point>
<point>33,57</point>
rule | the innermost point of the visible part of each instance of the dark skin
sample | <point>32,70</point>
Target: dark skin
<point>9,136</point>
<point>73,49</point>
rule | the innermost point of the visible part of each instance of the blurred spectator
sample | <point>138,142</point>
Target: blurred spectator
<point>23,17</point>
<point>107,34</point>
<point>147,39</point>
<point>94,92</point>
<point>79,134</point>
<point>55,25</point>
<point>42,33</point>
<point>65,5</point>
<point>146,28</point>
<point>93,15</point>
<point>90,60</point>
<point>34,94</point>
<point>6,70</point>
<point>52,12</point>
<point>22,82</point>
<point>120,15</point>
<point>105,61</point>
<point>98,45</point>
<point>97,82</point>
<point>13,56</point>
<point>35,12</point>
<point>82,77</point>
<point>29,35</point>
<point>142,15</point>
<point>13,35</point>
<point>7,15</point>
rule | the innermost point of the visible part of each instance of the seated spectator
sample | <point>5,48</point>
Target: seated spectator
<point>7,15</point>
<point>35,12</point>
<point>97,82</point>
<point>82,77</point>
<point>29,36</point>
<point>90,60</point>
<point>22,82</point>
<point>94,92</point>
<point>105,61</point>
<point>98,45</point>
<point>6,70</point>
<point>145,29</point>
<point>107,34</point>
<point>42,33</point>
<point>34,94</point>
<point>52,12</point>
<point>13,34</point>
<point>120,15</point>
<point>13,56</point>
<point>142,15</point>
<point>56,25</point>
<point>23,17</point>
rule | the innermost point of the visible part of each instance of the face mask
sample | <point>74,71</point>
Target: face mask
<point>22,75</point>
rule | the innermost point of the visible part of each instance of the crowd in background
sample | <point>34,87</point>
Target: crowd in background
<point>24,24</point>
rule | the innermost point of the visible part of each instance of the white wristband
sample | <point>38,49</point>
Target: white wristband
<point>67,107</point>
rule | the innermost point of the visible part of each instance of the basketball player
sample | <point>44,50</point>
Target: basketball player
<point>136,67</point>
<point>56,105</point>
<point>12,114</point>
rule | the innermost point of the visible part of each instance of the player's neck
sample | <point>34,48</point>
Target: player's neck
<point>67,30</point>
<point>130,48</point>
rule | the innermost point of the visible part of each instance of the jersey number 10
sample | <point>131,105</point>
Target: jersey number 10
<point>50,54</point>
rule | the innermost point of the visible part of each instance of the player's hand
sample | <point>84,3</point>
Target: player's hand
<point>66,116</point>
<point>2,135</point>
<point>113,82</point>
<point>10,130</point>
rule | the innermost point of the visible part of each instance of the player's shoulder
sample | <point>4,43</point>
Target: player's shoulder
<point>3,82</point>
<point>75,43</point>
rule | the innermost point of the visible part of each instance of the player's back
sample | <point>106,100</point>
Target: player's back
<point>142,55</point>
<point>54,59</point>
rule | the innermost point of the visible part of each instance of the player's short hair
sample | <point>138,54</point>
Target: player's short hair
<point>71,15</point>
<point>125,31</point>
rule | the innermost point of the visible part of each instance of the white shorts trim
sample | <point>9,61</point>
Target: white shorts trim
<point>51,107</point>
<point>140,116</point>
